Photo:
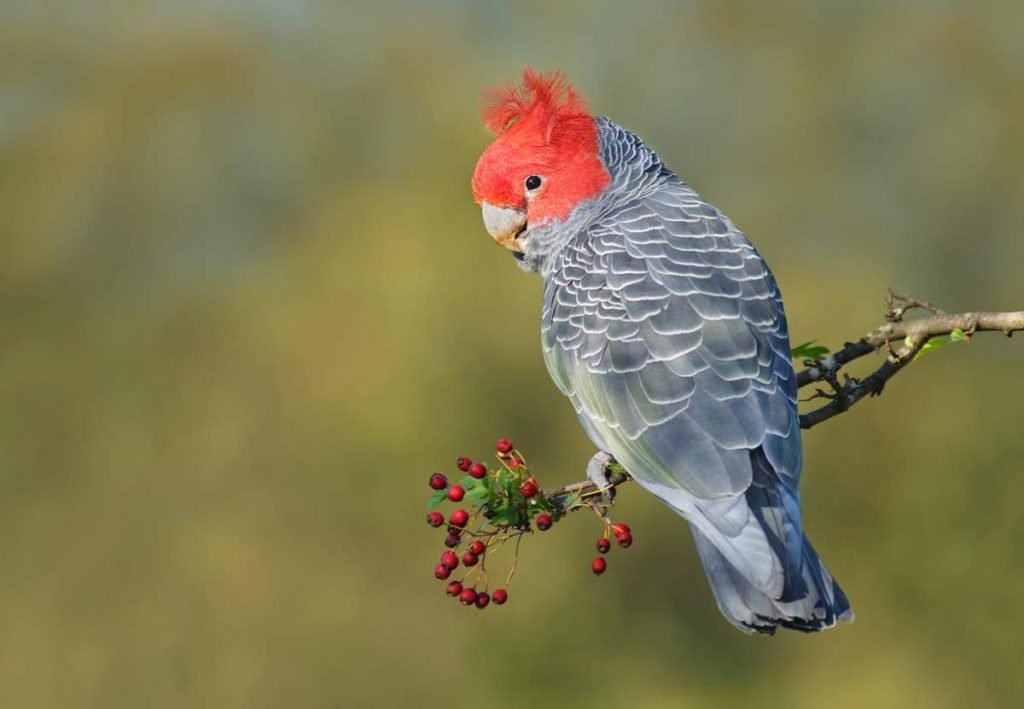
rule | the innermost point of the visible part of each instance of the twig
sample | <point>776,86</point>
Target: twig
<point>897,304</point>
<point>912,336</point>
<point>616,476</point>
<point>925,328</point>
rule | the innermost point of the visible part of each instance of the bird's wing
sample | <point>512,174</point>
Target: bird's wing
<point>665,328</point>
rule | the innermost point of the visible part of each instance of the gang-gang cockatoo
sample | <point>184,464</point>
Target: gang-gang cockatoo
<point>665,328</point>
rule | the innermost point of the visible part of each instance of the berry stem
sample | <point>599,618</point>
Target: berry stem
<point>515,560</point>
<point>599,510</point>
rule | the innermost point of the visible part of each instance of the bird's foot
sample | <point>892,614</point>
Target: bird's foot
<point>598,472</point>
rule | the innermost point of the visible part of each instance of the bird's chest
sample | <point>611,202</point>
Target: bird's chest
<point>583,311</point>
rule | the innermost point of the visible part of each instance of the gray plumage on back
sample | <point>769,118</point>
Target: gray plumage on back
<point>666,330</point>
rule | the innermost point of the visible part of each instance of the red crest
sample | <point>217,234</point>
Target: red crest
<point>543,100</point>
<point>543,129</point>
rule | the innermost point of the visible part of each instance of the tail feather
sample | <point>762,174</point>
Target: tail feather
<point>751,610</point>
<point>763,570</point>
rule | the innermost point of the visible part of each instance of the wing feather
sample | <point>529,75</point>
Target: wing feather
<point>665,328</point>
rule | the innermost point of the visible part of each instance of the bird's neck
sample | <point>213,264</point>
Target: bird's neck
<point>636,171</point>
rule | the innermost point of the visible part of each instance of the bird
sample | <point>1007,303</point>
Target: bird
<point>665,328</point>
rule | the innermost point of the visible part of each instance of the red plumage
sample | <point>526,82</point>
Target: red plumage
<point>542,128</point>
<point>545,100</point>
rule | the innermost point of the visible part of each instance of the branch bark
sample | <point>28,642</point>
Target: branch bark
<point>903,341</point>
<point>912,336</point>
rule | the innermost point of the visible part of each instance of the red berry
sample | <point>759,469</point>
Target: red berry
<point>598,566</point>
<point>529,488</point>
<point>435,519</point>
<point>441,571</point>
<point>500,596</point>
<point>454,588</point>
<point>482,599</point>
<point>544,521</point>
<point>514,464</point>
<point>463,464</point>
<point>452,541</point>
<point>620,528</point>
<point>470,559</point>
<point>467,597</point>
<point>478,470</point>
<point>459,517</point>
<point>456,493</point>
<point>478,547</point>
<point>624,540</point>
<point>603,545</point>
<point>438,481</point>
<point>449,559</point>
<point>504,445</point>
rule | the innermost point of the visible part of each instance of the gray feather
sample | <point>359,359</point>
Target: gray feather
<point>665,328</point>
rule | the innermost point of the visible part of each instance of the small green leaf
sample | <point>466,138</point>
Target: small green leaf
<point>504,517</point>
<point>809,350</point>
<point>436,498</point>
<point>477,493</point>
<point>616,468</point>
<point>957,335</point>
<point>932,344</point>
<point>571,501</point>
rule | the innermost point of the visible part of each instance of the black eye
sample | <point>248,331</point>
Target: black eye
<point>532,182</point>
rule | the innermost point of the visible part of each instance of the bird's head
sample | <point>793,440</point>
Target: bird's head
<point>543,162</point>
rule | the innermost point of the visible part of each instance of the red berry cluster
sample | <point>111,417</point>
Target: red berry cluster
<point>623,535</point>
<point>504,504</point>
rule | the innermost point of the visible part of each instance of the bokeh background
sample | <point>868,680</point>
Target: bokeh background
<point>248,306</point>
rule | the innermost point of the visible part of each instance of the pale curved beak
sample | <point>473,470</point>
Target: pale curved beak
<point>504,224</point>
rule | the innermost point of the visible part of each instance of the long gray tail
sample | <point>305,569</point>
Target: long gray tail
<point>750,610</point>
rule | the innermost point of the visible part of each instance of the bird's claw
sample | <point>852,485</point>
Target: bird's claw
<point>597,473</point>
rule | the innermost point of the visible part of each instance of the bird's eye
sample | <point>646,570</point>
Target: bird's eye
<point>532,182</point>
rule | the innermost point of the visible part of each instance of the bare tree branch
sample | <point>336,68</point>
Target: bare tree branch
<point>903,341</point>
<point>912,335</point>
<point>586,489</point>
<point>897,304</point>
<point>917,330</point>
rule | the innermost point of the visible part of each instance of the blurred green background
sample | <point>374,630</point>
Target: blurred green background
<point>248,305</point>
